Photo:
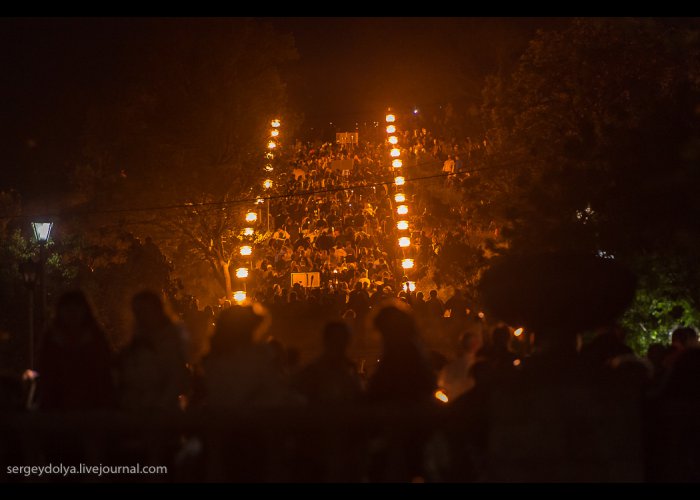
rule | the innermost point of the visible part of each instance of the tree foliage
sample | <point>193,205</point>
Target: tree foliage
<point>596,135</point>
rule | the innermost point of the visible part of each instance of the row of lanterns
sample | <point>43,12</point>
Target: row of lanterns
<point>402,208</point>
<point>251,217</point>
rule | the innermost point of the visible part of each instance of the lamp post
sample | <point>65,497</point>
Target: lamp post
<point>42,233</point>
<point>267,184</point>
<point>28,270</point>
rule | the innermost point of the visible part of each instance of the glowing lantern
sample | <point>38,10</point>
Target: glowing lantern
<point>402,209</point>
<point>399,181</point>
<point>404,242</point>
<point>409,286</point>
<point>518,332</point>
<point>274,132</point>
<point>271,145</point>
<point>267,184</point>
<point>251,217</point>
<point>275,123</point>
<point>242,272</point>
<point>393,139</point>
<point>441,396</point>
<point>246,250</point>
<point>396,163</point>
<point>390,118</point>
<point>268,168</point>
<point>259,201</point>
<point>402,225</point>
<point>249,231</point>
<point>399,197</point>
<point>395,152</point>
<point>407,263</point>
<point>239,296</point>
<point>390,129</point>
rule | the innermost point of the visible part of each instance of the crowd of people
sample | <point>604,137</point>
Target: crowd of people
<point>499,408</point>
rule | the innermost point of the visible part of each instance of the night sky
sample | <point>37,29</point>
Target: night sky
<point>349,70</point>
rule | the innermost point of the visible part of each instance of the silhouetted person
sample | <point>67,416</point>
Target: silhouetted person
<point>457,305</point>
<point>331,386</point>
<point>497,353</point>
<point>605,347</point>
<point>681,339</point>
<point>153,375</point>
<point>241,375</point>
<point>75,361</point>
<point>331,379</point>
<point>673,452</point>
<point>435,306</point>
<point>403,381</point>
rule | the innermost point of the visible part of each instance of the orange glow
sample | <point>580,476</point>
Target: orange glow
<point>267,184</point>
<point>275,123</point>
<point>441,396</point>
<point>481,315</point>
<point>516,362</point>
<point>269,155</point>
<point>248,231</point>
<point>399,197</point>
<point>396,163</point>
<point>251,217</point>
<point>242,272</point>
<point>404,242</point>
<point>246,250</point>
<point>399,181</point>
<point>258,201</point>
<point>390,118</point>
<point>409,286</point>
<point>271,145</point>
<point>407,263</point>
<point>395,152</point>
<point>518,332</point>
<point>239,296</point>
<point>268,168</point>
<point>402,210</point>
<point>390,129</point>
<point>402,225</point>
<point>393,140</point>
<point>274,132</point>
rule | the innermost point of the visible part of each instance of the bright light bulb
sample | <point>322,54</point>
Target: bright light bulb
<point>274,132</point>
<point>402,209</point>
<point>411,286</point>
<point>246,250</point>
<point>518,332</point>
<point>249,231</point>
<point>399,181</point>
<point>395,153</point>
<point>441,396</point>
<point>251,217</point>
<point>390,129</point>
<point>242,272</point>
<point>396,163</point>
<point>271,145</point>
<point>259,201</point>
<point>399,197</point>
<point>275,123</point>
<point>390,118</point>
<point>239,296</point>
<point>393,139</point>
<point>267,184</point>
<point>407,263</point>
<point>404,242</point>
<point>402,225</point>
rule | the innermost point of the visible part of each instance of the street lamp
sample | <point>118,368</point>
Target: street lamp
<point>267,184</point>
<point>42,233</point>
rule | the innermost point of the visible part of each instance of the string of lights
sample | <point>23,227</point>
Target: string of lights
<point>224,203</point>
